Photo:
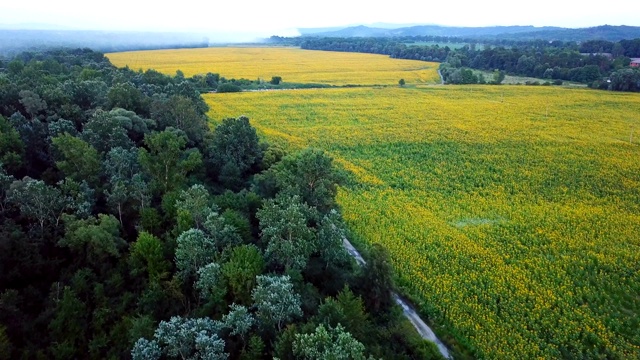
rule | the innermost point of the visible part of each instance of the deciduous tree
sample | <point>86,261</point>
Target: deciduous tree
<point>332,344</point>
<point>276,301</point>
<point>285,231</point>
<point>167,161</point>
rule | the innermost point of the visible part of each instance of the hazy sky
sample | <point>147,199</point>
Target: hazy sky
<point>268,17</point>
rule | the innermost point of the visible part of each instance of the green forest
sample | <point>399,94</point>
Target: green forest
<point>598,63</point>
<point>131,227</point>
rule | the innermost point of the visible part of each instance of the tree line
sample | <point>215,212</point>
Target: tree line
<point>129,228</point>
<point>600,64</point>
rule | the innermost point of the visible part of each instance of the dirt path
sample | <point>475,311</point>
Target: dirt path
<point>441,78</point>
<point>409,312</point>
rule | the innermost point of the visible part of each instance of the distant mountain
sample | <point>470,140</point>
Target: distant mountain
<point>315,31</point>
<point>358,31</point>
<point>605,32</point>
<point>428,30</point>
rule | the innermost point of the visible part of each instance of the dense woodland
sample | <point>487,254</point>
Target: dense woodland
<point>130,229</point>
<point>600,64</point>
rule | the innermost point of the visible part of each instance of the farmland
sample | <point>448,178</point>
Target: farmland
<point>511,213</point>
<point>291,64</point>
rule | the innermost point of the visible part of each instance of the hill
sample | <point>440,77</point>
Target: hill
<point>605,32</point>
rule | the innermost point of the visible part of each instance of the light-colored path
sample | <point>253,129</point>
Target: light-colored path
<point>409,312</point>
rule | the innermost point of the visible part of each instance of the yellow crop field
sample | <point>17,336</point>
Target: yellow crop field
<point>512,213</point>
<point>292,64</point>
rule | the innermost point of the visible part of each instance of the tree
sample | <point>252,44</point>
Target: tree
<point>346,309</point>
<point>181,113</point>
<point>5,184</point>
<point>195,203</point>
<point>78,160</point>
<point>275,80</point>
<point>32,103</point>
<point>68,326</point>
<point>376,280</point>
<point>255,349</point>
<point>146,255</point>
<point>498,77</point>
<point>79,196</point>
<point>194,251</point>
<point>33,134</point>
<point>93,241</point>
<point>309,174</point>
<point>239,320</point>
<point>208,283</point>
<point>235,149</point>
<point>331,235</point>
<point>167,162</point>
<point>144,349</point>
<point>240,271</point>
<point>60,127</point>
<point>37,200</point>
<point>105,131</point>
<point>228,88</point>
<point>625,80</point>
<point>276,300</point>
<point>122,167</point>
<point>5,344</point>
<point>332,344</point>
<point>127,96</point>
<point>184,338</point>
<point>222,234</point>
<point>11,146</point>
<point>121,163</point>
<point>117,196</point>
<point>285,231</point>
<point>401,82</point>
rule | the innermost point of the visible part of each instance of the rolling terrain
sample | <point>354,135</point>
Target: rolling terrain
<point>510,212</point>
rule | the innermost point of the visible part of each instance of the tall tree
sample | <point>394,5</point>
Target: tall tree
<point>104,132</point>
<point>146,255</point>
<point>240,271</point>
<point>38,201</point>
<point>183,338</point>
<point>309,174</point>
<point>194,251</point>
<point>289,239</point>
<point>92,240</point>
<point>235,150</point>
<point>78,160</point>
<point>376,279</point>
<point>68,327</point>
<point>239,320</point>
<point>209,282</point>
<point>11,146</point>
<point>276,301</point>
<point>195,204</point>
<point>332,344</point>
<point>180,112</point>
<point>167,161</point>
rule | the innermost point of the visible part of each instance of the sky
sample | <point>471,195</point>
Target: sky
<point>283,17</point>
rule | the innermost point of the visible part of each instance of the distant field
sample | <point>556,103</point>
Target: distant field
<point>512,213</point>
<point>292,64</point>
